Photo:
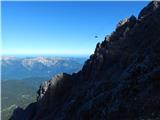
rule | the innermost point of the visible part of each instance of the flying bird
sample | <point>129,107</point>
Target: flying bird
<point>96,36</point>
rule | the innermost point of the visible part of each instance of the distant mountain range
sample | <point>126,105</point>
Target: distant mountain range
<point>20,68</point>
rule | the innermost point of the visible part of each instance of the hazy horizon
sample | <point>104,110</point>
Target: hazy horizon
<point>46,55</point>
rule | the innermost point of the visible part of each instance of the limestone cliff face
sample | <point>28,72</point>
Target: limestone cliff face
<point>121,80</point>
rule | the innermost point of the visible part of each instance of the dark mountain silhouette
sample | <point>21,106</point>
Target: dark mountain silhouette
<point>121,80</point>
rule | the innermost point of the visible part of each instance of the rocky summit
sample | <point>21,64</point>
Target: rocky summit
<point>121,80</point>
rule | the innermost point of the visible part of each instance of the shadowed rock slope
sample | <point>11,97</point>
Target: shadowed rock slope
<point>121,80</point>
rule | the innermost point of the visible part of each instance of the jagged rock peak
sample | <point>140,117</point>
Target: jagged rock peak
<point>50,84</point>
<point>127,20</point>
<point>149,9</point>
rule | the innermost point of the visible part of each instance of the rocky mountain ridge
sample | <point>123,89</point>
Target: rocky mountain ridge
<point>120,80</point>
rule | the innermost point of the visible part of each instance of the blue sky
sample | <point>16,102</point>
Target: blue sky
<point>66,28</point>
